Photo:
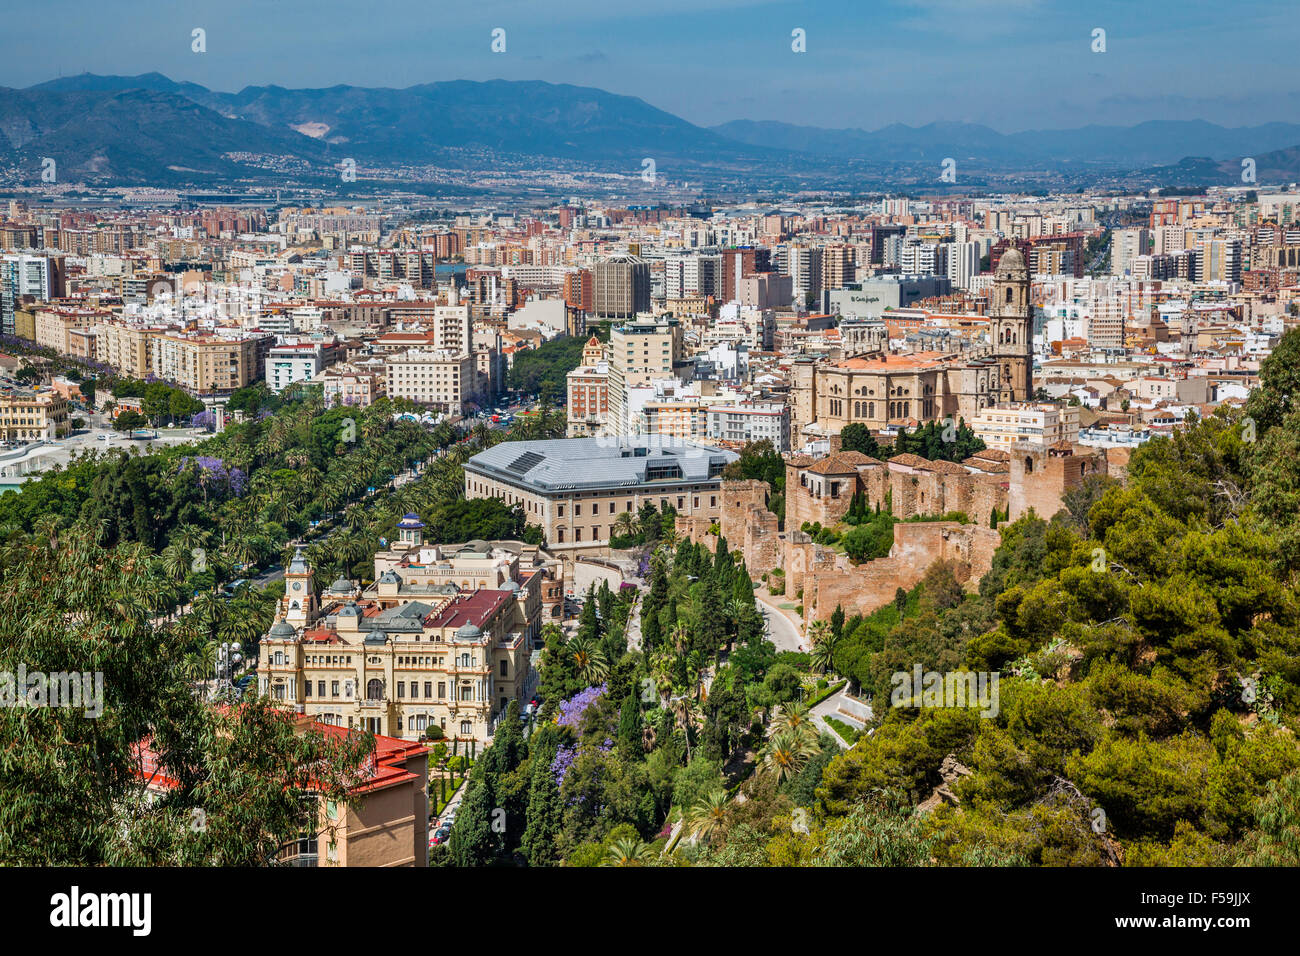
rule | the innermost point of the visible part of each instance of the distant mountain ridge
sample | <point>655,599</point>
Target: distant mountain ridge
<point>420,123</point>
<point>150,128</point>
<point>1150,143</point>
<point>134,135</point>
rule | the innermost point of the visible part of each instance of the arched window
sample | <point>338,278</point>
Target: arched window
<point>1008,293</point>
<point>1029,466</point>
<point>375,689</point>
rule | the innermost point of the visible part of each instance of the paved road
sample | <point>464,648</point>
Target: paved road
<point>61,451</point>
<point>634,625</point>
<point>780,629</point>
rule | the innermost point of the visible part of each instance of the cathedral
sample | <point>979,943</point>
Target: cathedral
<point>882,389</point>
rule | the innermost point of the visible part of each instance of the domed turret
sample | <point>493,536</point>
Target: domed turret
<point>410,530</point>
<point>468,632</point>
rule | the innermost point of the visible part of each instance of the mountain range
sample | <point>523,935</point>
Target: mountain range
<point>152,129</point>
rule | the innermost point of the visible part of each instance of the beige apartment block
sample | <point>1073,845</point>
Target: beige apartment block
<point>127,347</point>
<point>441,380</point>
<point>205,364</point>
<point>639,353</point>
<point>53,325</point>
<point>35,415</point>
<point>351,385</point>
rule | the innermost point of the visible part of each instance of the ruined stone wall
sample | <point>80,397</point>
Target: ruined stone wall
<point>737,499</point>
<point>746,524</point>
<point>800,505</point>
<point>933,493</point>
<point>1039,480</point>
<point>869,586</point>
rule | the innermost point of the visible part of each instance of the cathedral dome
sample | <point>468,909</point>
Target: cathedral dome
<point>1012,262</point>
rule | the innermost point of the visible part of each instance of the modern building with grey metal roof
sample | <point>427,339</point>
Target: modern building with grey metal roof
<point>588,463</point>
<point>575,488</point>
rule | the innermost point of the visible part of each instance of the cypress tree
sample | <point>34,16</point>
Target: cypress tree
<point>472,841</point>
<point>629,725</point>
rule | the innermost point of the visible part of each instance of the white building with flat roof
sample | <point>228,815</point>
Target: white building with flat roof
<point>1011,423</point>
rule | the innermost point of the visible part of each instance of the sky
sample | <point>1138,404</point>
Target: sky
<point>1010,64</point>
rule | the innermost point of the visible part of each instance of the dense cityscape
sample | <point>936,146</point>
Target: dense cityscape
<point>491,505</point>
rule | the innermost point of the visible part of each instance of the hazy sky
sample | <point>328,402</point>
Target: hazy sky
<point>1012,64</point>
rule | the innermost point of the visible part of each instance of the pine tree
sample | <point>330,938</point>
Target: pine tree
<point>651,633</point>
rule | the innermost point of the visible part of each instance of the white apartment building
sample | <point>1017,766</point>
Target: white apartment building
<point>963,263</point>
<point>293,362</point>
<point>1010,423</point>
<point>1127,245</point>
<point>743,422</point>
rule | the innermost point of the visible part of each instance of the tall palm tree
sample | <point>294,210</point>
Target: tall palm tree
<point>629,851</point>
<point>793,718</point>
<point>591,664</point>
<point>706,819</point>
<point>687,713</point>
<point>176,561</point>
<point>819,631</point>
<point>625,524</point>
<point>189,537</point>
<point>786,754</point>
<point>822,657</point>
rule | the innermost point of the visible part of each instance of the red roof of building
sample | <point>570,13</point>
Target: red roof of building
<point>384,768</point>
<point>475,608</point>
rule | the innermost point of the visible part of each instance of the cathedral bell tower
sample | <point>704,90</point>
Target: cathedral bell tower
<point>1011,328</point>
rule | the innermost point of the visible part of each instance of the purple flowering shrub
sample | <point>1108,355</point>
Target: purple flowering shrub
<point>571,710</point>
<point>562,762</point>
<point>213,475</point>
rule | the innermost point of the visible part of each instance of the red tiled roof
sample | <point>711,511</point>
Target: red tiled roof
<point>384,768</point>
<point>475,608</point>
